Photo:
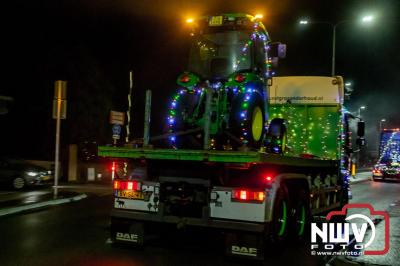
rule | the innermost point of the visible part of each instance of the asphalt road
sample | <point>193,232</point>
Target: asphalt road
<point>77,234</point>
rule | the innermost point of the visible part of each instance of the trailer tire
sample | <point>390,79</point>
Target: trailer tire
<point>280,216</point>
<point>301,217</point>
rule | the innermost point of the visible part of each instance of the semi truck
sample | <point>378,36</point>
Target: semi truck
<point>250,154</point>
<point>388,164</point>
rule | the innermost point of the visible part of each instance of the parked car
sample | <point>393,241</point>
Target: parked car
<point>19,174</point>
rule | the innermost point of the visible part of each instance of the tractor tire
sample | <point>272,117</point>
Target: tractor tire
<point>185,107</point>
<point>249,125</point>
<point>276,139</point>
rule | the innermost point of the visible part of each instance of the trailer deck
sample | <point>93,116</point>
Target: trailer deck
<point>212,156</point>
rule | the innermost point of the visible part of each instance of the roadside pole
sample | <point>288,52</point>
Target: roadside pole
<point>147,116</point>
<point>59,112</point>
<point>128,112</point>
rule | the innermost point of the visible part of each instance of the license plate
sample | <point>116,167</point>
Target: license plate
<point>130,194</point>
<point>216,21</point>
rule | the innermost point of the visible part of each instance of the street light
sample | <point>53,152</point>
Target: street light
<point>348,89</point>
<point>366,19</point>
<point>359,110</point>
<point>383,120</point>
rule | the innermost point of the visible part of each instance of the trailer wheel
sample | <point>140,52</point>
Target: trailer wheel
<point>301,217</point>
<point>280,217</point>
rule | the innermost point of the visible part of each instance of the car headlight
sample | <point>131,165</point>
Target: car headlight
<point>32,173</point>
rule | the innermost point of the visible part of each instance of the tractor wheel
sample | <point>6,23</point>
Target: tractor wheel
<point>277,136</point>
<point>185,108</point>
<point>247,121</point>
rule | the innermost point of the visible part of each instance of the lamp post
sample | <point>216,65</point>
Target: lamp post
<point>383,120</point>
<point>359,110</point>
<point>366,19</point>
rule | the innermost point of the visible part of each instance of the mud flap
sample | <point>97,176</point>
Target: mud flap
<point>249,246</point>
<point>127,232</point>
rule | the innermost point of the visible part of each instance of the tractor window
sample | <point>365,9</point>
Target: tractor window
<point>260,57</point>
<point>219,54</point>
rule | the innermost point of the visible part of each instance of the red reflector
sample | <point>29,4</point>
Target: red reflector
<point>248,195</point>
<point>184,78</point>
<point>240,78</point>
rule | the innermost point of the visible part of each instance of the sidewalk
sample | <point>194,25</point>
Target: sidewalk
<point>12,202</point>
<point>34,201</point>
<point>361,177</point>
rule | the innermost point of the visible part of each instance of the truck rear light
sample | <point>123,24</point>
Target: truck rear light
<point>116,185</point>
<point>127,185</point>
<point>268,178</point>
<point>246,195</point>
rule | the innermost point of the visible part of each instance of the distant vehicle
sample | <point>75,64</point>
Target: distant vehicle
<point>19,174</point>
<point>388,165</point>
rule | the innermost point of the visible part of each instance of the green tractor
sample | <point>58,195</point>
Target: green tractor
<point>223,93</point>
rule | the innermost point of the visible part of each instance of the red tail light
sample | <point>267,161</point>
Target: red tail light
<point>268,178</point>
<point>113,166</point>
<point>240,78</point>
<point>127,185</point>
<point>248,195</point>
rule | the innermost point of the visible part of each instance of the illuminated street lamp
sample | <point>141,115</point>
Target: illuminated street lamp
<point>348,89</point>
<point>383,120</point>
<point>359,110</point>
<point>366,19</point>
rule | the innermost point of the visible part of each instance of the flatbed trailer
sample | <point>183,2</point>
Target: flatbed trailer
<point>254,198</point>
<point>250,155</point>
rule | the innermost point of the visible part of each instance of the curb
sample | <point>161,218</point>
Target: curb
<point>39,205</point>
<point>359,181</point>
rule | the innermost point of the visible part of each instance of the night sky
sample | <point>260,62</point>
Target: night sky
<point>95,43</point>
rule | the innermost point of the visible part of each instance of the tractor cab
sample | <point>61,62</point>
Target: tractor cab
<point>225,44</point>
